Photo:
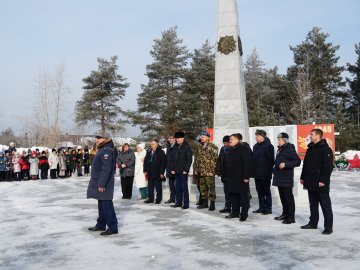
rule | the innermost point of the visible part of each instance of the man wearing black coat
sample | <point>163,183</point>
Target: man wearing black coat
<point>170,155</point>
<point>315,176</point>
<point>237,170</point>
<point>220,161</point>
<point>263,158</point>
<point>285,162</point>
<point>101,186</point>
<point>181,168</point>
<point>154,170</point>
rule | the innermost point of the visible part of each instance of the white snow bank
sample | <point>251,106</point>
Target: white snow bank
<point>350,154</point>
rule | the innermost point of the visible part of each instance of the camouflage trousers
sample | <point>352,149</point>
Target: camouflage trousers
<point>207,188</point>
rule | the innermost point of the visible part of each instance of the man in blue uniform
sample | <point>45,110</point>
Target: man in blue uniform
<point>101,186</point>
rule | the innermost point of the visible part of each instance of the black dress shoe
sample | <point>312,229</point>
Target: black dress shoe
<point>96,229</point>
<point>175,206</point>
<point>232,216</point>
<point>157,202</point>
<point>258,211</point>
<point>148,201</point>
<point>243,219</point>
<point>288,221</point>
<point>170,201</point>
<point>282,217</point>
<point>266,212</point>
<point>108,233</point>
<point>225,210</point>
<point>327,231</point>
<point>309,226</point>
<point>185,207</point>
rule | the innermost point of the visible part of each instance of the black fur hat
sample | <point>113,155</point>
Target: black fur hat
<point>179,134</point>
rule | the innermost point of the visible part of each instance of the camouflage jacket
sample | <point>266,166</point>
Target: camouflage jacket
<point>205,159</point>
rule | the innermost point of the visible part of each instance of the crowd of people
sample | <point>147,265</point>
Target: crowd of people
<point>34,165</point>
<point>235,163</point>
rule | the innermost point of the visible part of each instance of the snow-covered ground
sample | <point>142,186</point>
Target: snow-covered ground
<point>44,226</point>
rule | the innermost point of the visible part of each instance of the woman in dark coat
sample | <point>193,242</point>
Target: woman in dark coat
<point>126,163</point>
<point>237,169</point>
<point>286,160</point>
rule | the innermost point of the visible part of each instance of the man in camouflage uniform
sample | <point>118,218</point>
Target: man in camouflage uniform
<point>204,169</point>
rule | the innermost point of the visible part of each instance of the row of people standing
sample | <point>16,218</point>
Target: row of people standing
<point>16,166</point>
<point>236,167</point>
<point>36,165</point>
<point>148,168</point>
<point>176,163</point>
<point>236,170</point>
<point>236,164</point>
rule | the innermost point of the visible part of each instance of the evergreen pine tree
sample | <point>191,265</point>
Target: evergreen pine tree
<point>99,104</point>
<point>196,103</point>
<point>354,84</point>
<point>318,56</point>
<point>157,102</point>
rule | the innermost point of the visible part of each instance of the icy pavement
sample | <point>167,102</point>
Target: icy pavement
<point>44,226</point>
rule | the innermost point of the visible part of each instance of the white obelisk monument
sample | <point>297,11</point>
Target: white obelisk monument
<point>230,112</point>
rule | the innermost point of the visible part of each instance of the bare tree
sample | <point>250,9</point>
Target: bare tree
<point>302,96</point>
<point>59,90</point>
<point>50,89</point>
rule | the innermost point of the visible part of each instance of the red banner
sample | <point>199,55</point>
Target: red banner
<point>303,136</point>
<point>211,132</point>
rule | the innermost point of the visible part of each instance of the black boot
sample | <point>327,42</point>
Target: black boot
<point>309,226</point>
<point>288,221</point>
<point>170,201</point>
<point>212,206</point>
<point>200,201</point>
<point>225,210</point>
<point>147,201</point>
<point>205,204</point>
<point>327,231</point>
<point>232,216</point>
<point>282,217</point>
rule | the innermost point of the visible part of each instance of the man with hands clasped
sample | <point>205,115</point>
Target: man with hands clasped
<point>315,176</point>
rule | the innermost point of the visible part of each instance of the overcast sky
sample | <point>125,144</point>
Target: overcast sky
<point>39,34</point>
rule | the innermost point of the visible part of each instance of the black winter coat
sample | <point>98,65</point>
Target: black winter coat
<point>155,165</point>
<point>263,157</point>
<point>183,158</point>
<point>102,172</point>
<point>237,167</point>
<point>288,155</point>
<point>170,155</point>
<point>220,162</point>
<point>318,166</point>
